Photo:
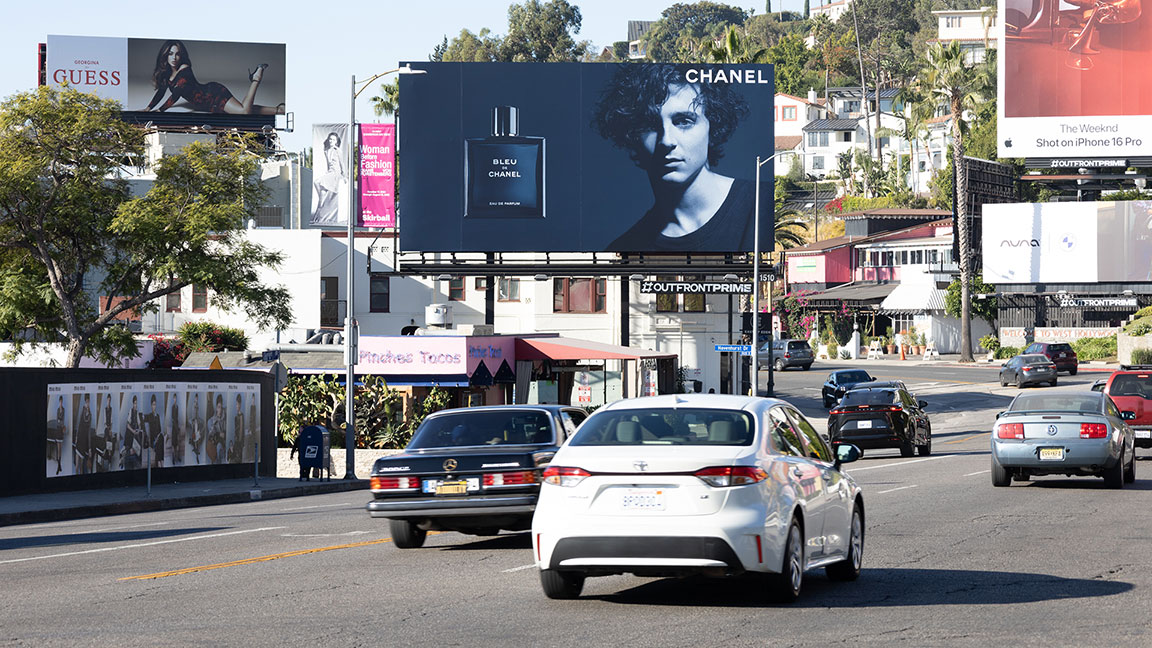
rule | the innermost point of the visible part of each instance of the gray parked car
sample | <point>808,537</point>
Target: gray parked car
<point>786,353</point>
<point>1063,434</point>
<point>1028,369</point>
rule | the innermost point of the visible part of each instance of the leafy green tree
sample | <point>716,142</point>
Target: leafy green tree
<point>542,33</point>
<point>948,76</point>
<point>732,48</point>
<point>985,308</point>
<point>70,228</point>
<point>471,48</point>
<point>206,336</point>
<point>792,57</point>
<point>674,38</point>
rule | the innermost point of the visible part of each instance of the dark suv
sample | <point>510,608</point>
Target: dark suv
<point>1060,353</point>
<point>1131,390</point>
<point>886,417</point>
<point>786,353</point>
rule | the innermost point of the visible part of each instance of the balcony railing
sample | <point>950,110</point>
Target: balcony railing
<point>333,312</point>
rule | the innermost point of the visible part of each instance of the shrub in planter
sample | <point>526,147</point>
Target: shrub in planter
<point>1095,348</point>
<point>1005,352</point>
<point>1142,356</point>
<point>990,343</point>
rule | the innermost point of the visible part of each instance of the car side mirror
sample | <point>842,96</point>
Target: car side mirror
<point>846,453</point>
<point>1128,416</point>
<point>923,404</point>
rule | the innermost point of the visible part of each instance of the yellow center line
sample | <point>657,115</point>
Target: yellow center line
<point>251,561</point>
<point>974,436</point>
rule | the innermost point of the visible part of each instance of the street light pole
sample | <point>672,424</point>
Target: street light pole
<point>351,335</point>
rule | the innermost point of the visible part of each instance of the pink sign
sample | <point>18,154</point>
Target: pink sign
<point>377,175</point>
<point>412,355</point>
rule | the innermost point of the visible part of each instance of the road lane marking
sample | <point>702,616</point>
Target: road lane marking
<point>516,569</point>
<point>979,472</point>
<point>893,490</point>
<point>969,438</point>
<point>898,463</point>
<point>259,559</point>
<point>129,526</point>
<point>138,545</point>
<point>318,506</point>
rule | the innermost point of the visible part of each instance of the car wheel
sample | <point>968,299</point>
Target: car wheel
<point>786,585</point>
<point>828,403</point>
<point>807,366</point>
<point>1019,382</point>
<point>779,365</point>
<point>1000,476</point>
<point>1114,476</point>
<point>1053,383</point>
<point>561,585</point>
<point>849,568</point>
<point>925,449</point>
<point>907,449</point>
<point>1003,383</point>
<point>1072,371</point>
<point>1130,473</point>
<point>406,535</point>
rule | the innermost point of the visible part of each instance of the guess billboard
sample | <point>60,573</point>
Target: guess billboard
<point>174,81</point>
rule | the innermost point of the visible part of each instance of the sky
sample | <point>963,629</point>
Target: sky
<point>326,42</point>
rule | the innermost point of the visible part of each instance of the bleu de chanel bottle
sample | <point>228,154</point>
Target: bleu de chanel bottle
<point>504,173</point>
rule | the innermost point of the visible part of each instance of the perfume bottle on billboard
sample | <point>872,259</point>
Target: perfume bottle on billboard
<point>504,173</point>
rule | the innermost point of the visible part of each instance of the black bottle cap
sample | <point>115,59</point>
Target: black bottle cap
<point>505,121</point>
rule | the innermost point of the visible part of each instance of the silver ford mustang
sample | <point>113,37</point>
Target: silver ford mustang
<point>1063,434</point>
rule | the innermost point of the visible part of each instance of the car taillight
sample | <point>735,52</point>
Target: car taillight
<point>519,478</point>
<point>1093,430</point>
<point>564,475</point>
<point>721,476</point>
<point>394,483</point>
<point>1010,431</point>
<point>787,355</point>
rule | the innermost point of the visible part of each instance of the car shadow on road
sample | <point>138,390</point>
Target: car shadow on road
<point>104,536</point>
<point>521,540</point>
<point>879,587</point>
<point>1080,483</point>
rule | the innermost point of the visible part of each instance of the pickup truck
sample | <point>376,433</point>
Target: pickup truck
<point>474,470</point>
<point>1131,389</point>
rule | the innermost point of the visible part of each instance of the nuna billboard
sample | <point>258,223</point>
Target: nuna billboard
<point>172,81</point>
<point>1073,80</point>
<point>583,157</point>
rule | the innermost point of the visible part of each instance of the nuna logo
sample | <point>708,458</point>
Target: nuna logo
<point>1020,243</point>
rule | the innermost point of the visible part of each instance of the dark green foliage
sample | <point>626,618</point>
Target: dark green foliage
<point>1095,348</point>
<point>206,336</point>
<point>985,309</point>
<point>1142,356</point>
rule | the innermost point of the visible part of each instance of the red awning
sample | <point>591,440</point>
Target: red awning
<point>559,348</point>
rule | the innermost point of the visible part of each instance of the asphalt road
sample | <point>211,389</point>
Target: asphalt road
<point>948,561</point>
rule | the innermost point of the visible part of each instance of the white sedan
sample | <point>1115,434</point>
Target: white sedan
<point>698,484</point>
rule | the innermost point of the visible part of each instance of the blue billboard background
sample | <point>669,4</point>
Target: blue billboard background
<point>591,190</point>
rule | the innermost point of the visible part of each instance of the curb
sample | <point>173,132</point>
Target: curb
<point>190,501</point>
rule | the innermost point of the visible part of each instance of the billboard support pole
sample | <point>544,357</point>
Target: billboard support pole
<point>756,285</point>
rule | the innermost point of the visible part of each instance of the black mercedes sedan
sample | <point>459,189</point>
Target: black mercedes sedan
<point>841,381</point>
<point>881,417</point>
<point>473,470</point>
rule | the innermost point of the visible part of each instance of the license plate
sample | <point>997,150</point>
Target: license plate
<point>453,487</point>
<point>864,425</point>
<point>1143,434</point>
<point>1051,454</point>
<point>643,499</point>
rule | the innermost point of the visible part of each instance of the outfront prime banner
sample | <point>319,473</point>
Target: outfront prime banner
<point>1073,80</point>
<point>108,427</point>
<point>161,79</point>
<point>1087,242</point>
<point>585,157</point>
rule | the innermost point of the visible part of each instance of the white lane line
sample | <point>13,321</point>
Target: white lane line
<point>318,506</point>
<point>979,472</point>
<point>321,535</point>
<point>138,545</point>
<point>898,463</point>
<point>893,490</point>
<point>516,569</point>
<point>129,526</point>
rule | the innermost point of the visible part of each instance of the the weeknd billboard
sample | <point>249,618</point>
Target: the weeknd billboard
<point>172,81</point>
<point>580,157</point>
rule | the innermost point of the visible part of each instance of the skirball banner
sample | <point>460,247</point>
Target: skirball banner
<point>377,175</point>
<point>329,175</point>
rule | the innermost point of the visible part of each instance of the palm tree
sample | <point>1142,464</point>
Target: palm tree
<point>731,49</point>
<point>787,227</point>
<point>389,101</point>
<point>951,79</point>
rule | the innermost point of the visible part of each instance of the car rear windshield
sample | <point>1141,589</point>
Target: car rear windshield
<point>477,428</point>
<point>868,397</point>
<point>798,346</point>
<point>1132,385</point>
<point>1059,348</point>
<point>681,426</point>
<point>853,377</point>
<point>1089,402</point>
<point>1034,359</point>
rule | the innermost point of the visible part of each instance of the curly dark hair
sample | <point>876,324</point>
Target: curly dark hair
<point>163,70</point>
<point>630,106</point>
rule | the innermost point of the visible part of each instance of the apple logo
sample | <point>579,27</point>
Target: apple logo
<point>1008,142</point>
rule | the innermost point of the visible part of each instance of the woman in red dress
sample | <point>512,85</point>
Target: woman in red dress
<point>174,73</point>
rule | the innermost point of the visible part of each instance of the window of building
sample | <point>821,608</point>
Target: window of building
<point>873,258</point>
<point>952,22</point>
<point>818,162</point>
<point>172,302</point>
<point>667,303</point>
<point>456,289</point>
<point>579,295</point>
<point>199,298</point>
<point>481,283</point>
<point>902,323</point>
<point>923,165</point>
<point>379,293</point>
<point>862,258</point>
<point>508,289</point>
<point>852,106</point>
<point>933,256</point>
<point>330,311</point>
<point>788,113</point>
<point>846,136</point>
<point>818,139</point>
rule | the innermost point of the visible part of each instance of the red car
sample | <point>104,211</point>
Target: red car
<point>1131,390</point>
<point>1060,353</point>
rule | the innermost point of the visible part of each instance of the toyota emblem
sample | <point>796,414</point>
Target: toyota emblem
<point>640,465</point>
<point>450,465</point>
<point>1051,430</point>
